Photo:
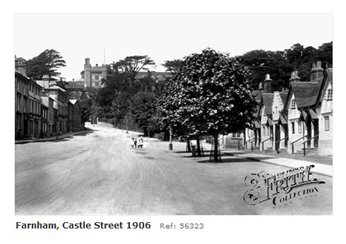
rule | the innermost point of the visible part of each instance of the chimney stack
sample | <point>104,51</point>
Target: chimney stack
<point>294,76</point>
<point>260,86</point>
<point>316,71</point>
<point>20,65</point>
<point>267,84</point>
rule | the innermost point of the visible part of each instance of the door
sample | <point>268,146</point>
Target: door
<point>308,127</point>
<point>316,132</point>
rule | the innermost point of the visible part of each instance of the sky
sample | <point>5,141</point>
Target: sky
<point>111,37</point>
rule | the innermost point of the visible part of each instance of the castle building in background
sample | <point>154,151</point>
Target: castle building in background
<point>93,75</point>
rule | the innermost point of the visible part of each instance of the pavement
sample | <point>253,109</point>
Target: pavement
<point>52,138</point>
<point>322,165</point>
<point>319,168</point>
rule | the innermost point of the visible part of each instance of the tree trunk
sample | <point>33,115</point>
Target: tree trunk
<point>216,147</point>
<point>244,138</point>
<point>198,146</point>
<point>188,144</point>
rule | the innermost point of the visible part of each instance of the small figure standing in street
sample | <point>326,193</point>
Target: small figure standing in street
<point>135,142</point>
<point>140,142</point>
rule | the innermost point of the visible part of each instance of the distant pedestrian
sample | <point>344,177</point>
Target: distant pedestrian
<point>135,142</point>
<point>140,142</point>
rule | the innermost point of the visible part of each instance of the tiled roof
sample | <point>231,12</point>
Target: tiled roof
<point>257,94</point>
<point>284,95</point>
<point>74,85</point>
<point>55,88</point>
<point>268,102</point>
<point>329,78</point>
<point>306,93</point>
<point>21,74</point>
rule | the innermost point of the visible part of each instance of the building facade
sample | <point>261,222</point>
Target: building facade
<point>21,105</point>
<point>93,75</point>
<point>27,103</point>
<point>61,104</point>
<point>48,102</point>
<point>74,116</point>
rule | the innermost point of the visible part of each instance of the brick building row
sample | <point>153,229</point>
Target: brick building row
<point>42,110</point>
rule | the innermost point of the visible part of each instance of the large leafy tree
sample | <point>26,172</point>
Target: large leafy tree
<point>132,65</point>
<point>143,110</point>
<point>280,64</point>
<point>261,62</point>
<point>47,64</point>
<point>120,88</point>
<point>89,105</point>
<point>211,95</point>
<point>173,66</point>
<point>325,53</point>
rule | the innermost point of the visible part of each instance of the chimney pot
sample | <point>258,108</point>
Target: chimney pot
<point>267,77</point>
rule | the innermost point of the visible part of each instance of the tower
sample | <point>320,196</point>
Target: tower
<point>87,73</point>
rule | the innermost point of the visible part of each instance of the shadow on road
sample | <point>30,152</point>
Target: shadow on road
<point>227,160</point>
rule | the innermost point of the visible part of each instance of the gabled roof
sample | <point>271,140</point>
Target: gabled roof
<point>73,101</point>
<point>306,93</point>
<point>329,78</point>
<point>284,95</point>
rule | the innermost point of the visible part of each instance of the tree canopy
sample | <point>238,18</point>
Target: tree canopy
<point>210,95</point>
<point>47,64</point>
<point>126,98</point>
<point>280,64</point>
<point>173,66</point>
<point>131,65</point>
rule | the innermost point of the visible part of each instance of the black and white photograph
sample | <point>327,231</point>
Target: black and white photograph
<point>192,120</point>
<point>172,122</point>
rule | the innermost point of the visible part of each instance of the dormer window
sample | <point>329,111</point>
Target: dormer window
<point>293,104</point>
